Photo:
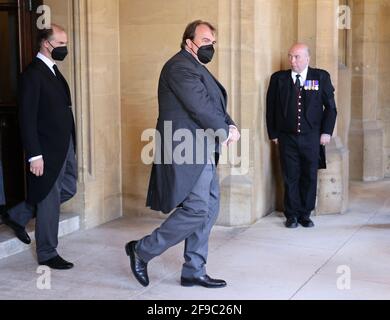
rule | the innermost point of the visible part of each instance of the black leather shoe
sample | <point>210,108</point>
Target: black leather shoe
<point>292,223</point>
<point>19,231</point>
<point>57,263</point>
<point>204,281</point>
<point>138,266</point>
<point>306,222</point>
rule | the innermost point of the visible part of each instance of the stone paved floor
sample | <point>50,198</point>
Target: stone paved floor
<point>264,261</point>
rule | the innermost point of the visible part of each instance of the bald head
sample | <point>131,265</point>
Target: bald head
<point>57,29</point>
<point>299,57</point>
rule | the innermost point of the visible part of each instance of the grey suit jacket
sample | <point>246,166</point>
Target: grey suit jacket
<point>190,98</point>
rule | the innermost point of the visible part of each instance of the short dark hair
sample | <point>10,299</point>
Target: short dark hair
<point>189,33</point>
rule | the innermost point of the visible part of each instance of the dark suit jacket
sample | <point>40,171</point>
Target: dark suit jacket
<point>47,124</point>
<point>320,106</point>
<point>191,98</point>
<point>2,194</point>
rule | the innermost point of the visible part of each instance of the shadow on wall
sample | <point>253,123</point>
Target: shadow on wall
<point>277,174</point>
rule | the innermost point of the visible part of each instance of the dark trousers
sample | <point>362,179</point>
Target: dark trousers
<point>299,156</point>
<point>48,210</point>
<point>2,195</point>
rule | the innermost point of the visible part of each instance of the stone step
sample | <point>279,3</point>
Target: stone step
<point>10,245</point>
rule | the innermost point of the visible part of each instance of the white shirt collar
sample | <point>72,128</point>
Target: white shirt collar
<point>303,75</point>
<point>47,61</point>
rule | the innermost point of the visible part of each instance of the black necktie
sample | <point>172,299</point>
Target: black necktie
<point>298,82</point>
<point>56,71</point>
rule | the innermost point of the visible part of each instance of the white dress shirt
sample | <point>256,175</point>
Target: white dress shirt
<point>50,65</point>
<point>303,75</point>
<point>47,61</point>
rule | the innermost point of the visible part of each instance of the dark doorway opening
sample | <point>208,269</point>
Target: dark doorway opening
<point>17,49</point>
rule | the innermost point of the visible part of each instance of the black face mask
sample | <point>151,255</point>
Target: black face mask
<point>205,53</point>
<point>59,53</point>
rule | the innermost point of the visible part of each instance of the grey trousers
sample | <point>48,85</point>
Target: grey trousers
<point>48,210</point>
<point>192,223</point>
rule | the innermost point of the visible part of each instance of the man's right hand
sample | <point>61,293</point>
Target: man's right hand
<point>37,167</point>
<point>276,141</point>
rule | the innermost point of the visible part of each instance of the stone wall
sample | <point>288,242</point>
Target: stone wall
<point>150,33</point>
<point>384,78</point>
<point>369,135</point>
<point>121,46</point>
<point>93,30</point>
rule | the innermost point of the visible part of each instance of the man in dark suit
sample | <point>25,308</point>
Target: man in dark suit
<point>191,100</point>
<point>2,194</point>
<point>301,116</point>
<point>48,135</point>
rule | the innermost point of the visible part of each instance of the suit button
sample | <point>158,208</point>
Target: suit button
<point>299,131</point>
<point>299,110</point>
<point>299,124</point>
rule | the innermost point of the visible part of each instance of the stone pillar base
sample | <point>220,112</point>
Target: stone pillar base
<point>332,195</point>
<point>236,202</point>
<point>373,162</point>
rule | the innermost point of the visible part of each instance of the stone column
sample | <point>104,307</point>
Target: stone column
<point>373,165</point>
<point>234,34</point>
<point>254,36</point>
<point>368,132</point>
<point>94,75</point>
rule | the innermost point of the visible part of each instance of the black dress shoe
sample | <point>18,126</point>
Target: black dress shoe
<point>138,266</point>
<point>204,281</point>
<point>306,222</point>
<point>292,223</point>
<point>19,231</point>
<point>57,263</point>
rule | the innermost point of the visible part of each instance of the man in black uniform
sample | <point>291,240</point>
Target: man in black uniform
<point>301,116</point>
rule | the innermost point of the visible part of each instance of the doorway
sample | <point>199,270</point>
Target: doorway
<point>17,49</point>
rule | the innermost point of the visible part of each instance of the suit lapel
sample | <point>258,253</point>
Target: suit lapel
<point>222,92</point>
<point>284,91</point>
<point>213,81</point>
<point>65,84</point>
<point>53,79</point>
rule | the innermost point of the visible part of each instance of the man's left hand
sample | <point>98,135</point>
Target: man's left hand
<point>325,139</point>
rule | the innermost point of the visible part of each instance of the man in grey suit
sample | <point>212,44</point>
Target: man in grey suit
<point>190,100</point>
